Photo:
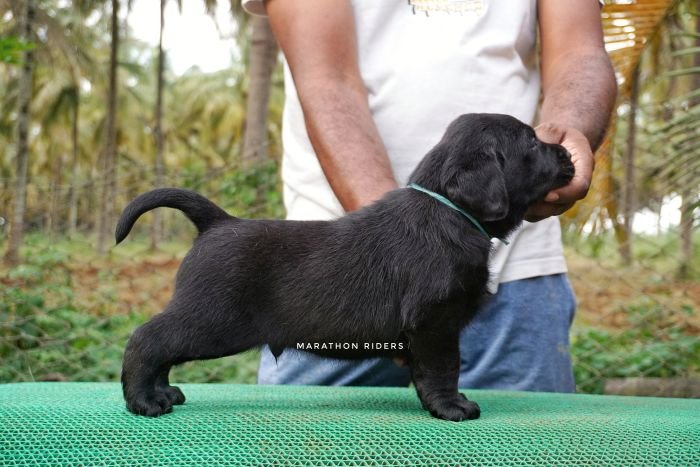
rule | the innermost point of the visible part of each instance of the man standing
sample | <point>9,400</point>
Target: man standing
<point>371,86</point>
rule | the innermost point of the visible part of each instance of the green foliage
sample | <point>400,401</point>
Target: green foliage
<point>255,192</point>
<point>601,245</point>
<point>659,252</point>
<point>11,49</point>
<point>653,345</point>
<point>38,320</point>
<point>252,193</point>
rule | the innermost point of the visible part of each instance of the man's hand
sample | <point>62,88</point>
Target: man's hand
<point>578,89</point>
<point>560,200</point>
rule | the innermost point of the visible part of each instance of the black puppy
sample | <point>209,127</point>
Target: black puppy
<point>408,269</point>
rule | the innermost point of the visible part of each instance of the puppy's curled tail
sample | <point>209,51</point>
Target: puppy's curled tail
<point>202,212</point>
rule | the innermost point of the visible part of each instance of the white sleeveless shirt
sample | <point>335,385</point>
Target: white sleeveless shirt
<point>425,62</point>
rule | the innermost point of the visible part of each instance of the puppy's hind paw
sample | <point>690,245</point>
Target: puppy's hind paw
<point>154,406</point>
<point>455,409</point>
<point>173,394</point>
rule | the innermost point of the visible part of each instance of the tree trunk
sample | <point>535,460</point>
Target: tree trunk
<point>630,188</point>
<point>12,255</point>
<point>263,58</point>
<point>157,225</point>
<point>688,188</point>
<point>55,194</point>
<point>75,167</point>
<point>686,229</point>
<point>109,167</point>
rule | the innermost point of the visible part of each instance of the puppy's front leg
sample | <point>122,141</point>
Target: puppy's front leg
<point>434,363</point>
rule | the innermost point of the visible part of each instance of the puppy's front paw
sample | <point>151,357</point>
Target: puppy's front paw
<point>455,409</point>
<point>150,406</point>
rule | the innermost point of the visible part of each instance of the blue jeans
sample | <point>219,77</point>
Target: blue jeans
<point>519,340</point>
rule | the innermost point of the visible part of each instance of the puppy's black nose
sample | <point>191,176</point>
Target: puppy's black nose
<point>566,167</point>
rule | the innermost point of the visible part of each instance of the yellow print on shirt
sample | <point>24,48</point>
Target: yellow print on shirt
<point>451,7</point>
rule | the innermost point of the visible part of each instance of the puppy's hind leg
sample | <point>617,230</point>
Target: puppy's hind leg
<point>145,368</point>
<point>172,393</point>
<point>434,363</point>
<point>168,339</point>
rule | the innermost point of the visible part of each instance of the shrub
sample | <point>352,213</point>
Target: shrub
<point>654,345</point>
<point>45,336</point>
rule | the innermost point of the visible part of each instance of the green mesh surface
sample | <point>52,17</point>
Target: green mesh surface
<point>87,424</point>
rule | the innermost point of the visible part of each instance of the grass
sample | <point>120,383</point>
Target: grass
<point>635,320</point>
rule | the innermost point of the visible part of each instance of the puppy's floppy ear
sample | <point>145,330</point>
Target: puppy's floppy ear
<point>476,183</point>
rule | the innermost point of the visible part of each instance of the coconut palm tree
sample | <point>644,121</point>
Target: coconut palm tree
<point>12,255</point>
<point>159,167</point>
<point>108,169</point>
<point>63,57</point>
<point>666,142</point>
<point>627,28</point>
<point>262,60</point>
<point>683,167</point>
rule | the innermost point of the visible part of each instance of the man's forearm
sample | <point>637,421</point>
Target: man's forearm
<point>579,91</point>
<point>347,142</point>
<point>319,42</point>
<point>581,94</point>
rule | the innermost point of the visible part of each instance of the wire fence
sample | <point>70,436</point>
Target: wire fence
<point>66,312</point>
<point>635,323</point>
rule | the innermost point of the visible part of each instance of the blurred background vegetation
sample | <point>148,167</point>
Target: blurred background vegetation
<point>90,116</point>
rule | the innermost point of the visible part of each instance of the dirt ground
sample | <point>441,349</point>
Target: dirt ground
<point>602,293</point>
<point>139,284</point>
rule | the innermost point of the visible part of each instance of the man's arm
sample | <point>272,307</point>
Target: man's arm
<point>579,90</point>
<point>319,42</point>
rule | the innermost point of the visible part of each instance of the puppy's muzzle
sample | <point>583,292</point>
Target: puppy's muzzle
<point>563,157</point>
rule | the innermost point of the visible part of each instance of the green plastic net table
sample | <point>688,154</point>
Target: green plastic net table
<point>87,424</point>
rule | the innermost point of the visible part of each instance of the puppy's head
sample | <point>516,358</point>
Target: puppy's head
<point>493,166</point>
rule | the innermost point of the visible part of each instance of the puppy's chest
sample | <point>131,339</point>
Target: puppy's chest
<point>453,282</point>
<point>467,281</point>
